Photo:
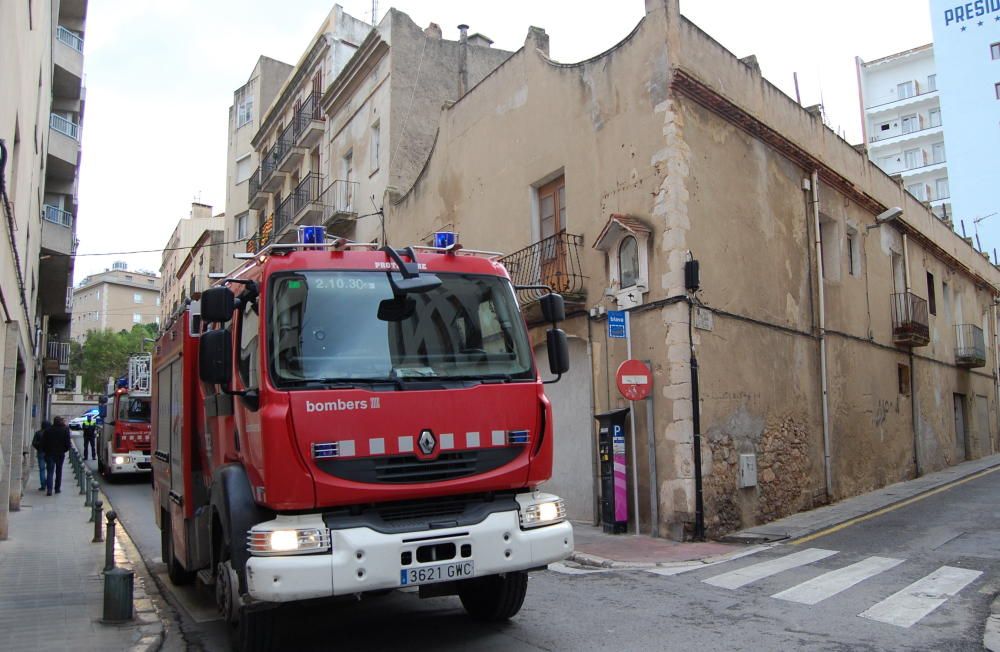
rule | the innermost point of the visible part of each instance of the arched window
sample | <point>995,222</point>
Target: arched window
<point>628,262</point>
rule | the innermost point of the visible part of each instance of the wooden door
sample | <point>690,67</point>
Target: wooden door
<point>552,223</point>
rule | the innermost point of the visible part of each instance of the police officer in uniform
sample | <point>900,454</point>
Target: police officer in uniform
<point>90,436</point>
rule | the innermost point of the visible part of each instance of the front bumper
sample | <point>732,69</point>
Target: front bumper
<point>132,462</point>
<point>361,559</point>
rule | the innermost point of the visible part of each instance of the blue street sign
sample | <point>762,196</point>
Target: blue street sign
<point>616,324</point>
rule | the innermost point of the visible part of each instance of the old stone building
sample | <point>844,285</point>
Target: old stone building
<point>838,352</point>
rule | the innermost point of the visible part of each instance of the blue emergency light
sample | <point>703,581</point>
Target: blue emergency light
<point>444,239</point>
<point>312,235</point>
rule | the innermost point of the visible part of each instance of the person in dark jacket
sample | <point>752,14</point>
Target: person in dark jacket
<point>55,443</point>
<point>36,443</point>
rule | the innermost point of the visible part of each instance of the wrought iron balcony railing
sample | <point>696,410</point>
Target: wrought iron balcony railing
<point>308,111</point>
<point>57,215</point>
<point>268,164</point>
<point>308,191</point>
<point>60,351</point>
<point>67,37</point>
<point>970,346</point>
<point>254,186</point>
<point>64,126</point>
<point>909,320</point>
<point>285,143</point>
<point>555,262</point>
<point>283,214</point>
<point>338,201</point>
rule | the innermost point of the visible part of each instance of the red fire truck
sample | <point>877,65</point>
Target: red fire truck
<point>337,419</point>
<point>124,442</point>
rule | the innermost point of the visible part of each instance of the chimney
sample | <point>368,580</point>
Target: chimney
<point>463,60</point>
<point>480,40</point>
<point>751,62</point>
<point>433,31</point>
<point>538,39</point>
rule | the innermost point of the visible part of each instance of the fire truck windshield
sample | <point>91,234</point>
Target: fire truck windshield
<point>327,326</point>
<point>133,409</point>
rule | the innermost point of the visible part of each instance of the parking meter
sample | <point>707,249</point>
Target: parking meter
<point>614,489</point>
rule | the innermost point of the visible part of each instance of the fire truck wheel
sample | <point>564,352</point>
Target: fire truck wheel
<point>254,630</point>
<point>495,597</point>
<point>177,573</point>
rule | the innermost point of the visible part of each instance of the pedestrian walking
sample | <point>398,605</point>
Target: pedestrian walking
<point>89,436</point>
<point>36,443</point>
<point>55,443</point>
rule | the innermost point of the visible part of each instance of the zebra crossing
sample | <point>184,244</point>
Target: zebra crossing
<point>903,608</point>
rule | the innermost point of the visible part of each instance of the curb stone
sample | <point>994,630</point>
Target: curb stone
<point>991,633</point>
<point>594,561</point>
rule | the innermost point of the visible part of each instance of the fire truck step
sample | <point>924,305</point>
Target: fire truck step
<point>206,577</point>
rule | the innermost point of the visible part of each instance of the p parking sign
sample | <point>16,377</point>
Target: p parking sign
<point>616,324</point>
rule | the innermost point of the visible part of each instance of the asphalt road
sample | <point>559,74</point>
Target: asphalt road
<point>920,577</point>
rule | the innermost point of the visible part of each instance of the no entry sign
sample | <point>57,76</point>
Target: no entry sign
<point>634,380</point>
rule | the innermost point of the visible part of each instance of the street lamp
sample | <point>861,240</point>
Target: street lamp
<point>885,216</point>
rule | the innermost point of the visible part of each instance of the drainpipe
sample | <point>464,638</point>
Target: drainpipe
<point>914,412</point>
<point>814,186</point>
<point>463,60</point>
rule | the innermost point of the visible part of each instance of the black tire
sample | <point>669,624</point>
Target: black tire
<point>179,576</point>
<point>495,597</point>
<point>254,630</point>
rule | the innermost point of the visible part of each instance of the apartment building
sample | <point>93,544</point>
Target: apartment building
<point>116,299</point>
<point>176,288</point>
<point>41,119</point>
<point>840,328</point>
<point>902,123</point>
<point>202,264</point>
<point>336,147</point>
<point>249,101</point>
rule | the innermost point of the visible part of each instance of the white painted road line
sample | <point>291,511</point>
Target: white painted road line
<point>908,606</point>
<point>743,576</point>
<point>830,584</point>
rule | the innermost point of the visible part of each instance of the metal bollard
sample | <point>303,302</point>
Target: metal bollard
<point>118,585</point>
<point>84,481</point>
<point>98,512</point>
<point>109,542</point>
<point>94,489</point>
<point>89,495</point>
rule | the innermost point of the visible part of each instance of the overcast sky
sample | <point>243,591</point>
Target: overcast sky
<point>160,76</point>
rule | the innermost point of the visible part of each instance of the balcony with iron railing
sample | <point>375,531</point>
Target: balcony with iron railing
<point>56,356</point>
<point>64,126</point>
<point>338,200</point>
<point>308,121</point>
<point>256,198</point>
<point>288,155</point>
<point>307,206</point>
<point>71,39</point>
<point>271,179</point>
<point>909,320</point>
<point>283,215</point>
<point>970,346</point>
<point>57,215</point>
<point>553,261</point>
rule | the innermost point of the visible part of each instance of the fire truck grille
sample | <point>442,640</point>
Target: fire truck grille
<point>417,515</point>
<point>399,469</point>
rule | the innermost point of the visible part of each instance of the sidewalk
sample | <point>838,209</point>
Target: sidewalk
<point>52,580</point>
<point>595,548</point>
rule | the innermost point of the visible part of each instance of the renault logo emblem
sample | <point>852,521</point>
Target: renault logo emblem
<point>427,442</point>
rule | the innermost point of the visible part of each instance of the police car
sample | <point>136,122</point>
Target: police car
<point>77,423</point>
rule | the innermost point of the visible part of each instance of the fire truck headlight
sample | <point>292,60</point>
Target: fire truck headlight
<point>547,512</point>
<point>276,542</point>
<point>120,459</point>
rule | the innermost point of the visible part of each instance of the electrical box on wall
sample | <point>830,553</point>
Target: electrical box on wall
<point>748,470</point>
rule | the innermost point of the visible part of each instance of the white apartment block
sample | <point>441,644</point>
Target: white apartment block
<point>904,130</point>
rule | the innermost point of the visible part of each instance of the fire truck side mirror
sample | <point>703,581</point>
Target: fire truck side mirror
<point>215,350</point>
<point>217,305</point>
<point>555,340</point>
<point>553,308</point>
